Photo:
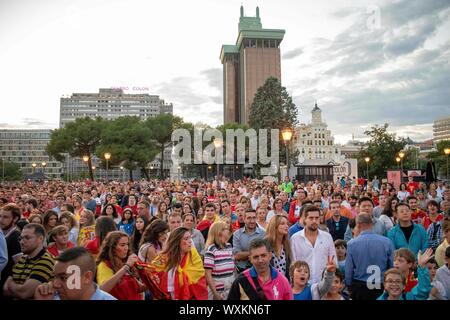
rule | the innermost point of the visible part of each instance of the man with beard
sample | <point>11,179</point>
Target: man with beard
<point>312,245</point>
<point>33,268</point>
<point>9,215</point>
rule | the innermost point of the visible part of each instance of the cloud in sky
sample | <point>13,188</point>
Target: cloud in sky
<point>360,75</point>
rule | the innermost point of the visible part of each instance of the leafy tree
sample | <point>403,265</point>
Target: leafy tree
<point>11,171</point>
<point>79,138</point>
<point>273,108</point>
<point>382,149</point>
<point>161,128</point>
<point>440,158</point>
<point>127,139</point>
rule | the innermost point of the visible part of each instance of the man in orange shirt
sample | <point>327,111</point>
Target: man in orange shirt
<point>343,210</point>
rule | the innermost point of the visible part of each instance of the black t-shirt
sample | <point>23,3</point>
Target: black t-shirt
<point>407,231</point>
<point>13,245</point>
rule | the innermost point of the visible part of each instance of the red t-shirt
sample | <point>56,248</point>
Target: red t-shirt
<point>427,221</point>
<point>93,246</point>
<point>412,187</point>
<point>54,250</point>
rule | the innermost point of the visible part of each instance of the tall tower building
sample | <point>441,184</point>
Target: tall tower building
<point>247,65</point>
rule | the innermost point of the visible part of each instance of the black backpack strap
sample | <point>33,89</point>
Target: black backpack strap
<point>259,290</point>
<point>248,288</point>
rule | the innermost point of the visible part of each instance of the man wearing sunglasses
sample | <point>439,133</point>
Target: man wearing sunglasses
<point>337,224</point>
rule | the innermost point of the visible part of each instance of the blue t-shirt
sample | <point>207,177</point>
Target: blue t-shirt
<point>294,229</point>
<point>305,294</point>
<point>341,265</point>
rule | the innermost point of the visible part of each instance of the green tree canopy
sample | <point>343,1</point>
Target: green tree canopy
<point>127,139</point>
<point>382,149</point>
<point>10,170</point>
<point>161,128</point>
<point>79,138</point>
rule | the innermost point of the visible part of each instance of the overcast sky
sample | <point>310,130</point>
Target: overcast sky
<point>365,62</point>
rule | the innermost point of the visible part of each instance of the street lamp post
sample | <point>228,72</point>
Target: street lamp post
<point>217,143</point>
<point>121,169</point>
<point>398,162</point>
<point>367,159</point>
<point>43,167</point>
<point>107,157</point>
<point>34,166</point>
<point>287,136</point>
<point>401,154</point>
<point>447,152</point>
<point>3,170</point>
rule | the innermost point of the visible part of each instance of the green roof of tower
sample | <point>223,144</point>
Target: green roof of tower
<point>250,27</point>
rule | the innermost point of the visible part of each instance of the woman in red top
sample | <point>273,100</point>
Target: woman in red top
<point>103,226</point>
<point>59,240</point>
<point>116,272</point>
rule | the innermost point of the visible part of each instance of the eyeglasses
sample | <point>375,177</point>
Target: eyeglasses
<point>394,281</point>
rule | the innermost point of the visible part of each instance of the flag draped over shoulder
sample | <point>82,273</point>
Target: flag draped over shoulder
<point>189,278</point>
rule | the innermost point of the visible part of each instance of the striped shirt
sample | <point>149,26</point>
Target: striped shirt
<point>221,261</point>
<point>39,268</point>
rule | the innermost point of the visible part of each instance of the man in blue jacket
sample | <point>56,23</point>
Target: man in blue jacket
<point>407,234</point>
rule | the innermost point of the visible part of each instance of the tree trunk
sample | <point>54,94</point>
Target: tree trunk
<point>162,161</point>
<point>91,173</point>
<point>145,171</point>
<point>131,175</point>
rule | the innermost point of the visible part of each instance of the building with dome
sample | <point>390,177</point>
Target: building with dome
<point>318,156</point>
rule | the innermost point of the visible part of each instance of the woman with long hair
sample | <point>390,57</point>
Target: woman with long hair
<point>218,262</point>
<point>153,240</point>
<point>115,268</point>
<point>179,268</point>
<point>189,222</point>
<point>68,219</point>
<point>277,209</point>
<point>127,223</point>
<point>163,212</point>
<point>35,218</point>
<point>50,220</point>
<point>403,192</point>
<point>103,226</point>
<point>77,206</point>
<point>111,211</point>
<point>87,227</point>
<point>140,225</point>
<point>387,216</point>
<point>277,234</point>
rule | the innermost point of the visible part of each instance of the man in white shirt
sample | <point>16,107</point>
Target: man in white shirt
<point>313,245</point>
<point>255,199</point>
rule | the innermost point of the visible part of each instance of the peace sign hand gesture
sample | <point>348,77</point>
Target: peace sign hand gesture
<point>422,259</point>
<point>331,266</point>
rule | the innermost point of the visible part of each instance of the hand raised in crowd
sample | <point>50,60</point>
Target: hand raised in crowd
<point>132,259</point>
<point>44,291</point>
<point>331,266</point>
<point>422,259</point>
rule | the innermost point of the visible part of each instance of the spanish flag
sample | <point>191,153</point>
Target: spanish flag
<point>189,279</point>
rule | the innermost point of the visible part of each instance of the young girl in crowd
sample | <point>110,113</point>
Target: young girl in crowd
<point>218,262</point>
<point>68,219</point>
<point>140,225</point>
<point>127,223</point>
<point>87,227</point>
<point>153,240</point>
<point>115,265</point>
<point>341,252</point>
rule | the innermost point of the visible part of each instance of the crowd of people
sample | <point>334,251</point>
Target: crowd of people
<point>225,240</point>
